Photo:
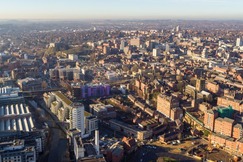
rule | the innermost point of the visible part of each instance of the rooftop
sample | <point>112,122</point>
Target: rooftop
<point>63,98</point>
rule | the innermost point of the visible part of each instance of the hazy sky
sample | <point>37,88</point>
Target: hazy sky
<point>121,9</point>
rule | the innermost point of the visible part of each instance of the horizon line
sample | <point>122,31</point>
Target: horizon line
<point>122,19</point>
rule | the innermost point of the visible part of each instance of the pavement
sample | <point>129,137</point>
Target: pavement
<point>149,153</point>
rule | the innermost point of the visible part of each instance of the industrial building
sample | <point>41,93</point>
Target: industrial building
<point>14,113</point>
<point>15,117</point>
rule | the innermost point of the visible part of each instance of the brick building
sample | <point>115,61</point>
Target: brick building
<point>213,87</point>
<point>169,106</point>
<point>209,119</point>
<point>237,131</point>
<point>226,101</point>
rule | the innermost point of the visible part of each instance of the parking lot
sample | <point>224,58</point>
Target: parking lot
<point>192,148</point>
<point>147,153</point>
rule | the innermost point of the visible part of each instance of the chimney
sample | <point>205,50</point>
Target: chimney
<point>97,141</point>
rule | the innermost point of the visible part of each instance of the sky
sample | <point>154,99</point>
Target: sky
<point>121,9</point>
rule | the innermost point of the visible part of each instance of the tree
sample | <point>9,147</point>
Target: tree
<point>125,68</point>
<point>134,68</point>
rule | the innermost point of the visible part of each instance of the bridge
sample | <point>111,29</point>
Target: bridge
<point>35,93</point>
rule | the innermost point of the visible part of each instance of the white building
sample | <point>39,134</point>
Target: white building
<point>205,53</point>
<point>91,124</point>
<point>156,52</point>
<point>77,117</point>
<point>70,112</point>
<point>178,28</point>
<point>73,57</point>
<point>111,75</point>
<point>239,42</point>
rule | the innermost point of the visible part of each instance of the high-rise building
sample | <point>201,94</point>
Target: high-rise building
<point>178,28</point>
<point>123,44</point>
<point>167,47</point>
<point>209,119</point>
<point>156,52</point>
<point>205,53</point>
<point>77,117</point>
<point>200,85</point>
<point>97,141</point>
<point>106,50</point>
<point>239,42</point>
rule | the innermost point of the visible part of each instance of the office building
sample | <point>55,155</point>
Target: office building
<point>156,52</point>
<point>16,151</point>
<point>239,42</point>
<point>91,124</point>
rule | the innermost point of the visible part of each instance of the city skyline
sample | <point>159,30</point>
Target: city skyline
<point>122,9</point>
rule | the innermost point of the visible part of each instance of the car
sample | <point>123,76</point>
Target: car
<point>169,142</point>
<point>195,142</point>
<point>183,149</point>
<point>174,143</point>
